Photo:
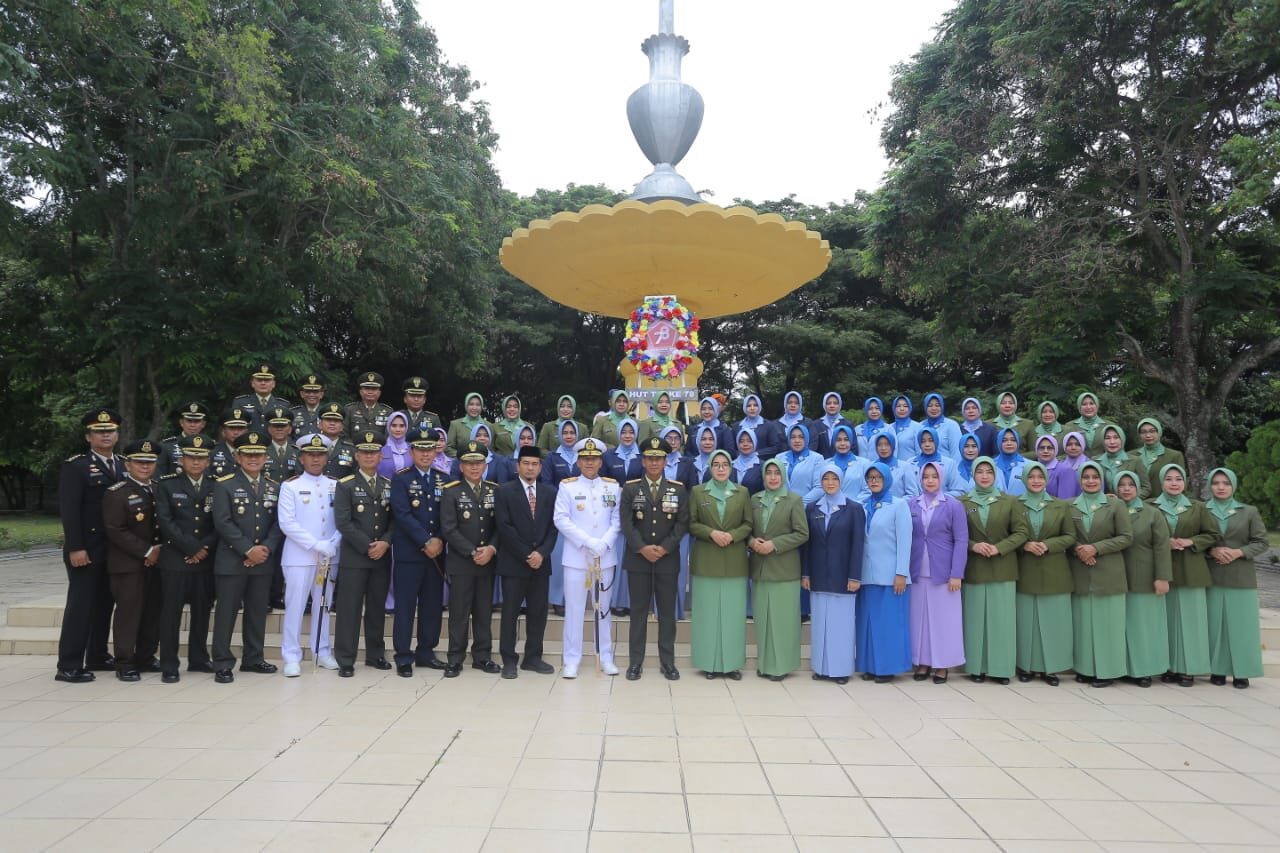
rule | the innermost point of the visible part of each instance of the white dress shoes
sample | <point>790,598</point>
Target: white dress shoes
<point>329,662</point>
<point>292,670</point>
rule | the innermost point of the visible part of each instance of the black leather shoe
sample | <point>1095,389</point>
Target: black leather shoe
<point>405,670</point>
<point>1186,680</point>
<point>433,662</point>
<point>1003,682</point>
<point>509,671</point>
<point>1051,679</point>
<point>867,676</point>
<point>1217,680</point>
<point>108,665</point>
<point>200,667</point>
<point>346,671</point>
<point>1240,683</point>
<point>276,603</point>
<point>977,677</point>
<point>1100,682</point>
<point>633,673</point>
<point>1024,678</point>
<point>539,666</point>
<point>780,677</point>
<point>153,666</point>
<point>1084,679</point>
<point>557,609</point>
<point>453,670</point>
<point>1144,681</point>
<point>736,675</point>
<point>224,676</point>
<point>670,673</point>
<point>710,675</point>
<point>1169,677</point>
<point>804,618</point>
<point>74,676</point>
<point>129,675</point>
<point>488,666</point>
<point>261,667</point>
<point>882,679</point>
<point>379,663</point>
<point>169,677</point>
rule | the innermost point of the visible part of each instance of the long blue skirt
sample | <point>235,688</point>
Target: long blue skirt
<point>832,631</point>
<point>555,590</point>
<point>884,631</point>
<point>621,586</point>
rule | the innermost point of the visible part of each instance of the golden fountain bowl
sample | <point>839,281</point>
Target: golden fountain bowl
<point>717,261</point>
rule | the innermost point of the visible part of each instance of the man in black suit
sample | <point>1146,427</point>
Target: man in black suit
<point>527,534</point>
<point>82,483</point>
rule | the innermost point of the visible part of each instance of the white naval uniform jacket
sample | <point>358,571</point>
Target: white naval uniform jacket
<point>306,519</point>
<point>586,510</point>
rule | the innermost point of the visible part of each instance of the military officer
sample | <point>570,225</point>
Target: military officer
<point>306,417</point>
<point>244,516</point>
<point>82,483</point>
<point>263,399</point>
<point>467,521</point>
<point>282,455</point>
<point>342,453</point>
<point>528,536</point>
<point>184,511</point>
<point>654,515</point>
<point>222,459</point>
<point>133,549</point>
<point>311,541</point>
<point>362,512</point>
<point>586,515</point>
<point>416,546</point>
<point>192,419</point>
<point>415,400</point>
<point>367,413</point>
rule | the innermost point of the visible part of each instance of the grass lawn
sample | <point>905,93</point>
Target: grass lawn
<point>29,530</point>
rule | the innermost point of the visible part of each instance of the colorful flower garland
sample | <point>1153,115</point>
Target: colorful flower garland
<point>636,343</point>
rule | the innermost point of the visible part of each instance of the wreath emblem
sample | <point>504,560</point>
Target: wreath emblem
<point>662,337</point>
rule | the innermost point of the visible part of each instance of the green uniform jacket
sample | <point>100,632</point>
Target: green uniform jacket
<point>1094,446</point>
<point>357,418</point>
<point>185,516</point>
<point>460,434</point>
<point>1110,533</point>
<point>467,522</point>
<point>1148,559</point>
<point>646,522</point>
<point>1024,428</point>
<point>1151,473</point>
<point>788,529</point>
<point>281,465</point>
<point>549,435</point>
<point>342,459</point>
<point>504,443</point>
<point>608,433</point>
<point>1050,574</point>
<point>707,558</point>
<point>1191,566</point>
<point>363,516</point>
<point>243,520</point>
<point>1006,528</point>
<point>423,420</point>
<point>1109,476</point>
<point>1245,531</point>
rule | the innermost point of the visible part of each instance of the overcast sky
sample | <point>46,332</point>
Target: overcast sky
<point>788,88</point>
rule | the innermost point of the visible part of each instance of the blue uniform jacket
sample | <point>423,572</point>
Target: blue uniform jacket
<point>833,555</point>
<point>415,525</point>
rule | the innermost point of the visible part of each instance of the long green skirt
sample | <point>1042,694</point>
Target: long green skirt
<point>990,639</point>
<point>1235,632</point>
<point>720,624</point>
<point>1188,630</point>
<point>1099,635</point>
<point>1146,634</point>
<point>1044,632</point>
<point>776,609</point>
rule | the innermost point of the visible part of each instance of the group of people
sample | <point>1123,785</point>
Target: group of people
<point>1012,547</point>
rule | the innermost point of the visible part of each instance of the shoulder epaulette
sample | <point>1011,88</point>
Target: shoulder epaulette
<point>636,480</point>
<point>568,479</point>
<point>269,480</point>
<point>348,478</point>
<point>169,439</point>
<point>429,412</point>
<point>677,482</point>
<point>119,485</point>
<point>451,484</point>
<point>76,456</point>
<point>224,478</point>
<point>608,479</point>
<point>172,476</point>
<point>294,477</point>
<point>491,483</point>
<point>402,470</point>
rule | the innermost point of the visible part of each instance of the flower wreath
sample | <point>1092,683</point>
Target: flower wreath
<point>685,347</point>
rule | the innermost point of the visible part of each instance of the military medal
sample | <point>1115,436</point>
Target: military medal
<point>240,510</point>
<point>359,507</point>
<point>639,515</point>
<point>466,513</point>
<point>416,503</point>
<point>140,516</point>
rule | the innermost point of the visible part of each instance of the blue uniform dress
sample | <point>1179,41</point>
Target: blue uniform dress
<point>771,436</point>
<point>906,483</point>
<point>724,435</point>
<point>824,429</point>
<point>832,557</point>
<point>680,469</point>
<point>947,429</point>
<point>904,429</point>
<point>419,580</point>
<point>883,636</point>
<point>787,421</point>
<point>980,429</point>
<point>622,463</point>
<point>868,430</point>
<point>1009,468</point>
<point>561,463</point>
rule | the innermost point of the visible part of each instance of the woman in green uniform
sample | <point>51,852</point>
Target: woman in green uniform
<point>1044,624</point>
<point>996,531</point>
<point>1090,424</point>
<point>1192,532</point>
<point>1098,572</point>
<point>1151,456</point>
<point>719,522</point>
<point>1235,639</point>
<point>549,435</point>
<point>780,529</point>
<point>1149,566</point>
<point>1114,459</point>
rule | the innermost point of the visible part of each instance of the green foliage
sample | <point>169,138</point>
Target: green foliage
<point>1258,471</point>
<point>28,531</point>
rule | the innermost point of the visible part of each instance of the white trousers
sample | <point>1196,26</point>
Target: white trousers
<point>299,585</point>
<point>576,600</point>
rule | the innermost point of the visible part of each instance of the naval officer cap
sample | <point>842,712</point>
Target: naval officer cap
<point>590,447</point>
<point>314,443</point>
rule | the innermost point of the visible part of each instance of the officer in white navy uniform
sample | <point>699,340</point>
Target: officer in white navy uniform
<point>587,517</point>
<point>311,536</point>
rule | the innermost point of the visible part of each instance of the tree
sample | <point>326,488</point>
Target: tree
<point>1258,471</point>
<point>1110,170</point>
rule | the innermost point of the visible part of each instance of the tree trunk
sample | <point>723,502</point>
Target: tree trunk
<point>157,406</point>
<point>127,396</point>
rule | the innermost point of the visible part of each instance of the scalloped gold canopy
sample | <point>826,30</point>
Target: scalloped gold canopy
<point>605,260</point>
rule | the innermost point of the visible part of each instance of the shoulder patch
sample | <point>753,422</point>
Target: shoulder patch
<point>224,478</point>
<point>119,485</point>
<point>76,456</point>
<point>348,478</point>
<point>172,476</point>
<point>402,470</point>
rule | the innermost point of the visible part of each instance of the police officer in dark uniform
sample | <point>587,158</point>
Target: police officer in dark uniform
<point>192,419</point>
<point>416,546</point>
<point>282,455</point>
<point>306,417</point>
<point>654,514</point>
<point>469,526</point>
<point>133,549</point>
<point>82,483</point>
<point>362,513</point>
<point>244,516</point>
<point>367,413</point>
<point>342,453</point>
<point>262,400</point>
<point>415,400</point>
<point>222,459</point>
<point>184,511</point>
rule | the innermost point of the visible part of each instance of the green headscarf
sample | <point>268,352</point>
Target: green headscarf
<point>984,498</point>
<point>1136,504</point>
<point>1223,510</point>
<point>1001,421</point>
<point>1057,419</point>
<point>613,413</point>
<point>769,497</point>
<point>1088,503</point>
<point>720,492</point>
<point>660,421</point>
<point>1149,455</point>
<point>1035,503</point>
<point>1168,504</point>
<point>1088,425</point>
<point>1111,462</point>
<point>466,418</point>
<point>513,426</point>
<point>559,420</point>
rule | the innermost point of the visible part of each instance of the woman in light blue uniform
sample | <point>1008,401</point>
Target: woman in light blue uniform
<point>883,614</point>
<point>904,429</point>
<point>852,467</point>
<point>804,467</point>
<point>948,431</point>
<point>1009,463</point>
<point>873,426</point>
<point>746,465</point>
<point>905,482</point>
<point>622,463</point>
<point>832,573</point>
